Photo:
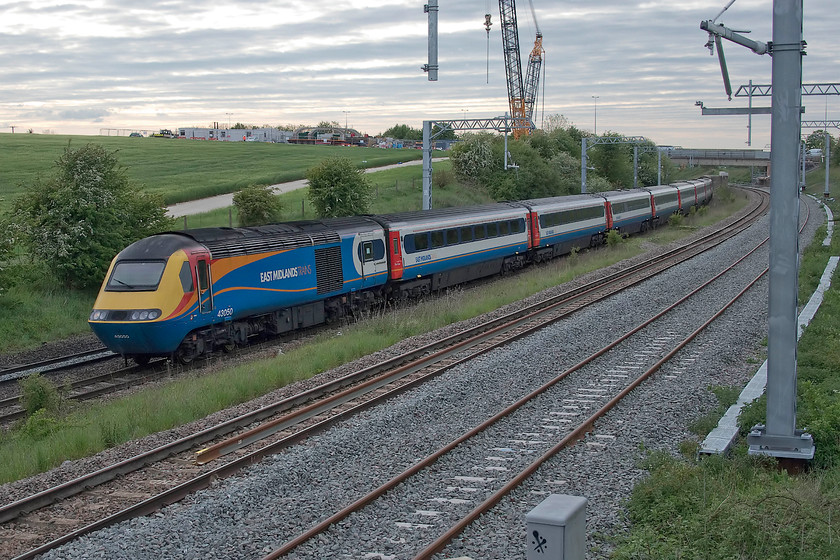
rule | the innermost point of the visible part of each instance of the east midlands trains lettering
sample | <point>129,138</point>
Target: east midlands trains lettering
<point>283,273</point>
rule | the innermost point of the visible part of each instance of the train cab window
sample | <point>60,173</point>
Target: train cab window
<point>480,231</point>
<point>135,276</point>
<point>466,234</point>
<point>493,230</point>
<point>437,239</point>
<point>452,236</point>
<point>186,278</point>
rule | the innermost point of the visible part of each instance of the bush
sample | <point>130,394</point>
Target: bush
<point>40,425</point>
<point>38,393</point>
<point>85,213</point>
<point>675,220</point>
<point>614,238</point>
<point>338,188</point>
<point>257,205</point>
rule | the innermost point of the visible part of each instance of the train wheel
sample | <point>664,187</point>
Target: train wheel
<point>185,355</point>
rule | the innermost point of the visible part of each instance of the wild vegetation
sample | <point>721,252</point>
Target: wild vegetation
<point>75,220</point>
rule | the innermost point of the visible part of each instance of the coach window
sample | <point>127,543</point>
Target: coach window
<point>367,250</point>
<point>504,228</point>
<point>378,249</point>
<point>437,239</point>
<point>452,236</point>
<point>493,230</point>
<point>421,241</point>
<point>517,226</point>
<point>466,234</point>
<point>480,231</point>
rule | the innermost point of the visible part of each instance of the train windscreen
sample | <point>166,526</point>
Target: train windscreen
<point>136,276</point>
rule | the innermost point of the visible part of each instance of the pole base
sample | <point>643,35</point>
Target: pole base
<point>799,446</point>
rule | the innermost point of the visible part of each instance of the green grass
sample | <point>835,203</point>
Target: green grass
<point>92,427</point>
<point>180,170</point>
<point>745,507</point>
<point>394,190</point>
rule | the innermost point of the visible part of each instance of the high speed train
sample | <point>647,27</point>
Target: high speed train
<point>183,294</point>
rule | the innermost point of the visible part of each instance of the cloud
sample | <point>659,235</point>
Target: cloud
<point>124,64</point>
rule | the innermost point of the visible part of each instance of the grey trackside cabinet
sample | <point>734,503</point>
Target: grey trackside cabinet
<point>556,529</point>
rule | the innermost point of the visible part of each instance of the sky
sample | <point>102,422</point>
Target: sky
<point>69,67</point>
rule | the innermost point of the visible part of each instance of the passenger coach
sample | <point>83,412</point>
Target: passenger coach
<point>434,249</point>
<point>562,223</point>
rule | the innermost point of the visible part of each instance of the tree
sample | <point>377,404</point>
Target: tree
<point>816,141</point>
<point>79,218</point>
<point>403,132</point>
<point>257,205</point>
<point>338,188</point>
<point>472,158</point>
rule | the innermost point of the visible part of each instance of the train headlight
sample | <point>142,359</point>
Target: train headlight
<point>127,315</point>
<point>144,314</point>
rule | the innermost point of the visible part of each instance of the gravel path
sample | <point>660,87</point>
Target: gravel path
<point>246,516</point>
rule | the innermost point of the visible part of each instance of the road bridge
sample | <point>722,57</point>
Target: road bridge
<point>738,158</point>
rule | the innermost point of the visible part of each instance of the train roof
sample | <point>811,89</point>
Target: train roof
<point>625,194</point>
<point>156,247</point>
<point>659,189</point>
<point>225,242</point>
<point>452,214</point>
<point>572,200</point>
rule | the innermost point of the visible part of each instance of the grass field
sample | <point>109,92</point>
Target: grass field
<point>181,170</point>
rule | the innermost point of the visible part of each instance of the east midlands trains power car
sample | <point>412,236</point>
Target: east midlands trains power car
<point>183,294</point>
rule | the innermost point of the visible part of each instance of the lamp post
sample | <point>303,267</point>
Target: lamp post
<point>595,97</point>
<point>465,113</point>
<point>228,116</point>
<point>345,119</point>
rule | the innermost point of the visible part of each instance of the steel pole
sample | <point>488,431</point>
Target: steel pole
<point>583,164</point>
<point>827,159</point>
<point>432,66</point>
<point>427,165</point>
<point>635,166</point>
<point>659,167</point>
<point>780,438</point>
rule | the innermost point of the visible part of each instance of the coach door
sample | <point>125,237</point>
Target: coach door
<point>202,275</point>
<point>372,259</point>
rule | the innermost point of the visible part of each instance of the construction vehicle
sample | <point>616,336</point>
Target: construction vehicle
<point>522,93</point>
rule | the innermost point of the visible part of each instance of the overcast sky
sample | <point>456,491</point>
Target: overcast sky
<point>73,67</point>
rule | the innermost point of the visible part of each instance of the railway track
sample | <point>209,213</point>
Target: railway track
<point>91,386</point>
<point>175,468</point>
<point>420,484</point>
<point>15,373</point>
